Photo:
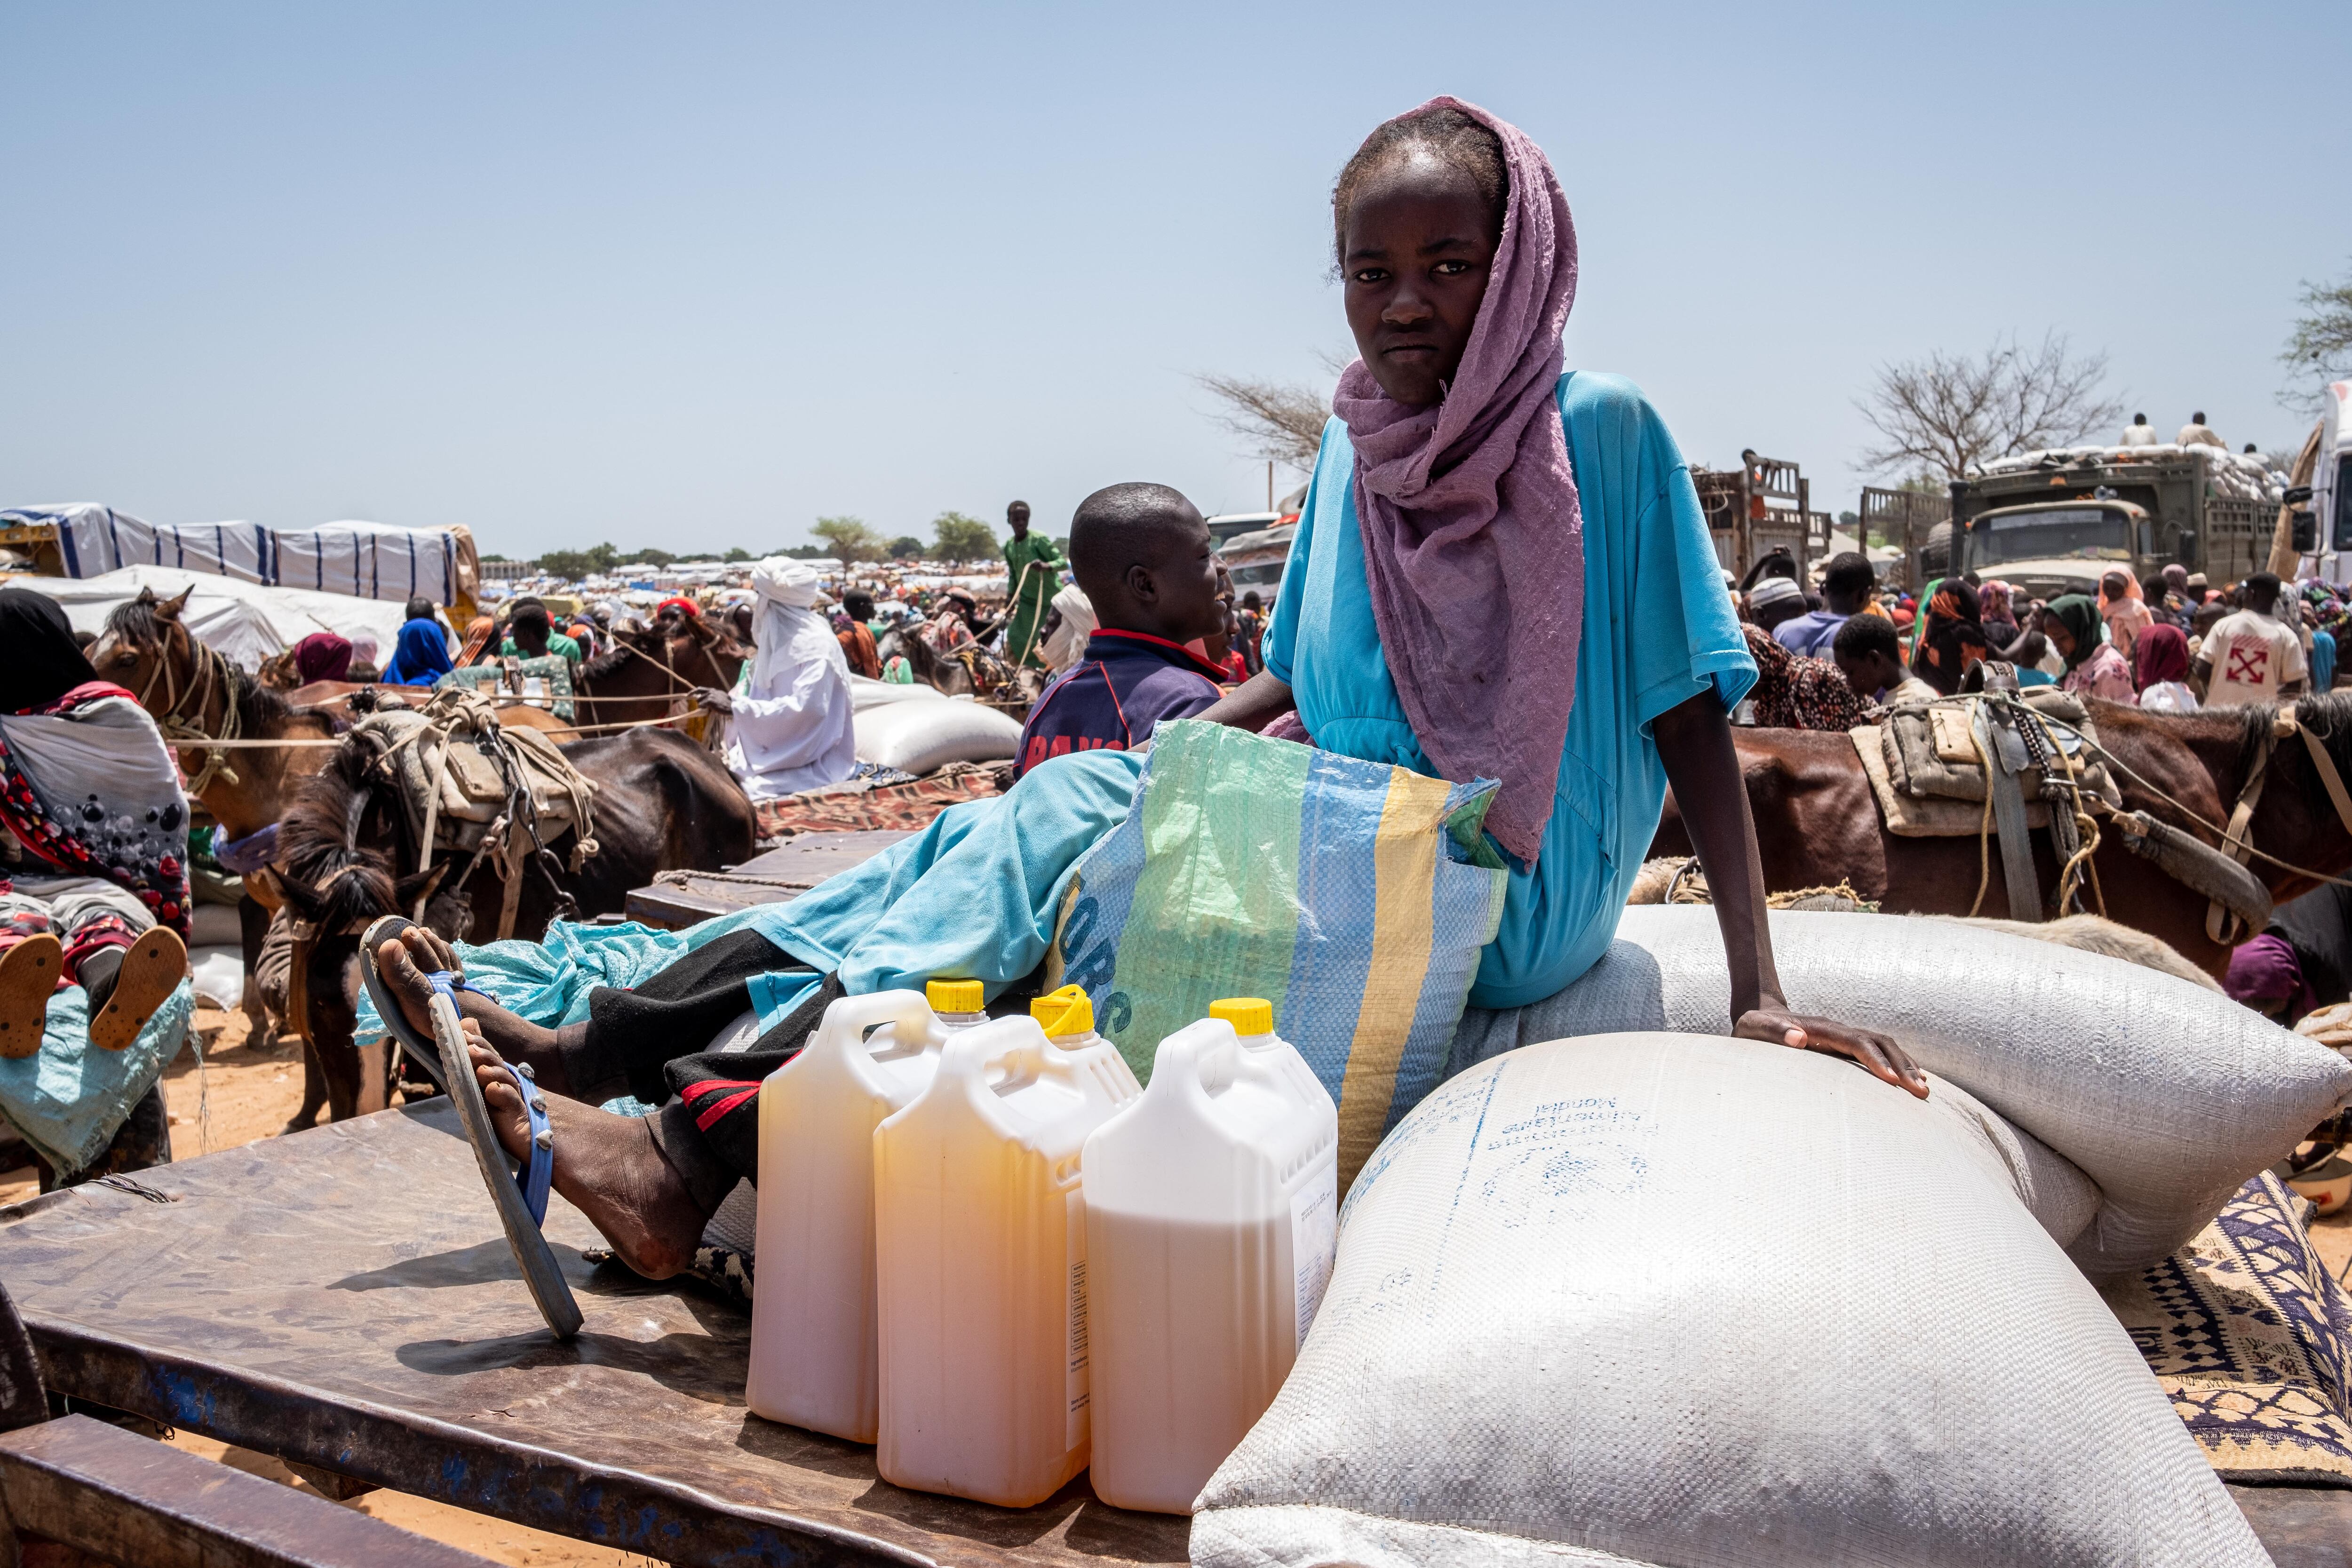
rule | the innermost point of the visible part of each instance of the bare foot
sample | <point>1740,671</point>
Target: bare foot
<point>404,961</point>
<point>606,1166</point>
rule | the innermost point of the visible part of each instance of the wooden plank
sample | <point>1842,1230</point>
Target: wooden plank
<point>2301,1527</point>
<point>128,1499</point>
<point>684,898</point>
<point>344,1297</point>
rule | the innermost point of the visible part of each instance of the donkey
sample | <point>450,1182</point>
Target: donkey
<point>347,856</point>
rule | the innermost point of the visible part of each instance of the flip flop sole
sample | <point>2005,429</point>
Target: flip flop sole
<point>29,977</point>
<point>541,1271</point>
<point>421,1051</point>
<point>151,969</point>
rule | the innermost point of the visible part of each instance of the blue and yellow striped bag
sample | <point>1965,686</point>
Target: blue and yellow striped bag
<point>1354,895</point>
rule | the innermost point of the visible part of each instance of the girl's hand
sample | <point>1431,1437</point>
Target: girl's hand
<point>1874,1053</point>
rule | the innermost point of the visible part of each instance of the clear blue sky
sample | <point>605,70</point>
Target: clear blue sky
<point>692,276</point>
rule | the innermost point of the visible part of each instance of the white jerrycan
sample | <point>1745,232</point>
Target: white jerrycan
<point>1211,1216</point>
<point>981,1247</point>
<point>814,1358</point>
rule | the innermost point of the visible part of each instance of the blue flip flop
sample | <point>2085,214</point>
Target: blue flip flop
<point>519,1195</point>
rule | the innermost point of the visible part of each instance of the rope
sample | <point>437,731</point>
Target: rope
<point>213,669</point>
<point>685,878</point>
<point>213,743</point>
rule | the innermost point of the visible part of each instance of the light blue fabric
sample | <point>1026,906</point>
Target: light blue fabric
<point>1659,630</point>
<point>974,895</point>
<point>70,1099</point>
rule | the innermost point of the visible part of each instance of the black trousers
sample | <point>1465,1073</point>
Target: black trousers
<point>648,1041</point>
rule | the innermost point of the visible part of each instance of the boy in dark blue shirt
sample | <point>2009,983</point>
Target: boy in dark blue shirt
<point>1144,557</point>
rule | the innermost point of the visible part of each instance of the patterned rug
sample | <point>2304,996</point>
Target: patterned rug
<point>876,802</point>
<point>2253,1341</point>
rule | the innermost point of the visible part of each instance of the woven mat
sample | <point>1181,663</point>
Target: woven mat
<point>866,805</point>
<point>2253,1341</point>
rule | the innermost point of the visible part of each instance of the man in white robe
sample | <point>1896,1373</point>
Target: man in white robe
<point>790,726</point>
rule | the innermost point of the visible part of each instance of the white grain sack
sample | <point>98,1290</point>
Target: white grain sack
<point>1665,1299</point>
<point>2167,1095</point>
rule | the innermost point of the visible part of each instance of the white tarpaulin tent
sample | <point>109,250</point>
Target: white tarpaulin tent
<point>248,621</point>
<point>366,560</point>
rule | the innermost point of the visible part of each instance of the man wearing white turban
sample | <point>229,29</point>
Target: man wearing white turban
<point>791,727</point>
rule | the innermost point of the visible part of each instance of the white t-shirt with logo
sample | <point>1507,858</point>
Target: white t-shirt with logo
<point>2253,655</point>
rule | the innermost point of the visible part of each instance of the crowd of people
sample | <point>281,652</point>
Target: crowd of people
<point>1831,650</point>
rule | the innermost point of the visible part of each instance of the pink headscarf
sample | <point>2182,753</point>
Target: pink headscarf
<point>1474,542</point>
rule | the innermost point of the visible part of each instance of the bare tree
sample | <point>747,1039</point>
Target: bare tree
<point>1280,419</point>
<point>2320,350</point>
<point>1952,413</point>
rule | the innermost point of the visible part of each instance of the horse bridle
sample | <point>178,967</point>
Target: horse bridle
<point>212,667</point>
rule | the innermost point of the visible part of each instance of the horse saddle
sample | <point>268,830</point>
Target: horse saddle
<point>459,774</point>
<point>1925,763</point>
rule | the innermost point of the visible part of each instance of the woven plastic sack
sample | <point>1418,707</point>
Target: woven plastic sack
<point>922,737</point>
<point>1353,895</point>
<point>2167,1095</point>
<point>1663,1300</point>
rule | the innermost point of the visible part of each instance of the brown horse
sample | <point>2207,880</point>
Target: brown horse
<point>346,855</point>
<point>650,674</point>
<point>1817,822</point>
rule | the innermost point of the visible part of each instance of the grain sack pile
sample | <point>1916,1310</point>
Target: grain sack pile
<point>2242,475</point>
<point>1659,1299</point>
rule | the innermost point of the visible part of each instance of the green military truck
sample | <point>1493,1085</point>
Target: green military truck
<point>2055,522</point>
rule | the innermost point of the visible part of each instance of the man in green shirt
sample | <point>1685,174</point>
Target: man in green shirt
<point>533,635</point>
<point>1035,568</point>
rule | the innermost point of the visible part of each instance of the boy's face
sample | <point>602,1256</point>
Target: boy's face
<point>1869,673</point>
<point>1184,582</point>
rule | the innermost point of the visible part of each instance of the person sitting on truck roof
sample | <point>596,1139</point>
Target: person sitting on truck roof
<point>1149,567</point>
<point>2197,433</point>
<point>2139,433</point>
<point>1846,586</point>
<point>2250,656</point>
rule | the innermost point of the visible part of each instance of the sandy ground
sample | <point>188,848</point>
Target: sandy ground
<point>244,1094</point>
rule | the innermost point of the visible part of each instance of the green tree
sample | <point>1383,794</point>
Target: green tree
<point>2321,349</point>
<point>592,562</point>
<point>805,552</point>
<point>738,553</point>
<point>486,559</point>
<point>847,539</point>
<point>651,557</point>
<point>960,538</point>
<point>905,546</point>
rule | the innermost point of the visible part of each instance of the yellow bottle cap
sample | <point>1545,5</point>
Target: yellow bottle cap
<point>1248,1015</point>
<point>1063,1013</point>
<point>955,995</point>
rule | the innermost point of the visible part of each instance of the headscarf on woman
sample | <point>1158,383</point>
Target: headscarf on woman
<point>322,656</point>
<point>1474,542</point>
<point>1999,618</point>
<point>2125,613</point>
<point>100,795</point>
<point>2160,669</point>
<point>2094,668</point>
<point>791,728</point>
<point>2080,617</point>
<point>2160,654</point>
<point>39,659</point>
<point>420,657</point>
<point>1952,638</point>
